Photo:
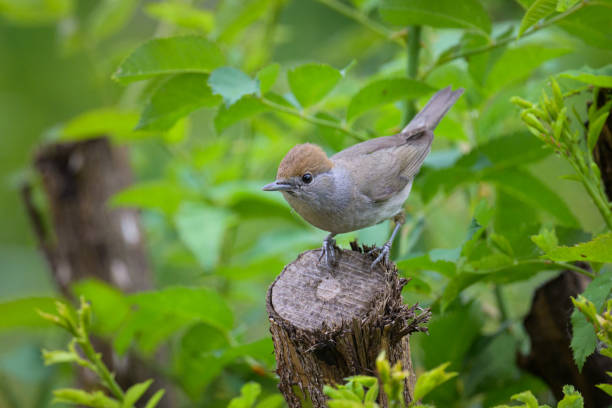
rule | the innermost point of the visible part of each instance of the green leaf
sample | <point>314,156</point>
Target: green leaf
<point>584,339</point>
<point>161,195</point>
<point>607,388</point>
<point>236,17</point>
<point>600,77</point>
<point>23,312</point>
<point>182,15</point>
<point>267,77</point>
<point>571,398</point>
<point>133,394</point>
<point>272,401</point>
<point>35,11</point>
<point>248,394</point>
<point>519,62</point>
<point>109,306</point>
<point>596,126</point>
<point>95,399</point>
<point>245,108</point>
<point>58,357</point>
<point>591,24</point>
<point>154,400</point>
<point>310,83</point>
<point>522,185</point>
<point>232,84</point>
<point>468,14</point>
<point>173,55</point>
<point>564,5</point>
<point>596,250</point>
<point>528,398</point>
<point>201,228</point>
<point>384,91</point>
<point>431,379</point>
<point>538,10</point>
<point>113,122</point>
<point>176,98</point>
<point>108,17</point>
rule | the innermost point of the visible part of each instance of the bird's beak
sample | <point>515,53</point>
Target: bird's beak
<point>278,186</point>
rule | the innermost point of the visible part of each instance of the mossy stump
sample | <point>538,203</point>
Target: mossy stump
<point>331,323</point>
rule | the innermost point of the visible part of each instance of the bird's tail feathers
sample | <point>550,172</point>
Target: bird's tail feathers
<point>429,117</point>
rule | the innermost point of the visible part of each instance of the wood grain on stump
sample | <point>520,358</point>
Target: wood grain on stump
<point>331,323</point>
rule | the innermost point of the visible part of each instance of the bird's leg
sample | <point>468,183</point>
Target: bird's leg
<point>399,220</point>
<point>328,250</point>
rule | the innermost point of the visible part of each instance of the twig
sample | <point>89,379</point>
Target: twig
<point>311,119</point>
<point>364,20</point>
<point>507,40</point>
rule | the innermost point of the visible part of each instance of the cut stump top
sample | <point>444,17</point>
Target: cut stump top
<point>313,296</point>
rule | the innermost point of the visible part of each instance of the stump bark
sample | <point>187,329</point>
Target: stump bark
<point>331,323</point>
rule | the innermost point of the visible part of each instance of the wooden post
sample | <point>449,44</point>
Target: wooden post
<point>328,324</point>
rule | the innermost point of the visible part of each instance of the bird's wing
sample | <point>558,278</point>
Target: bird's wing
<point>386,164</point>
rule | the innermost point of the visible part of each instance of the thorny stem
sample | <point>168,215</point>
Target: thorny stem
<point>363,19</point>
<point>496,44</point>
<point>311,119</point>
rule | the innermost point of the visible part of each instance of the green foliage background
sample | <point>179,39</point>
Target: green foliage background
<point>209,112</point>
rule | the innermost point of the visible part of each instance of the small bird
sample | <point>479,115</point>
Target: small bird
<point>364,184</point>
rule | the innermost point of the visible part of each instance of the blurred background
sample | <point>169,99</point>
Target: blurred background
<point>195,181</point>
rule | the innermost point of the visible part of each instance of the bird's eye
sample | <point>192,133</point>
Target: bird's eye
<point>307,178</point>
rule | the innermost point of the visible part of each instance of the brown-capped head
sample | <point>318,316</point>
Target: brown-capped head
<point>300,161</point>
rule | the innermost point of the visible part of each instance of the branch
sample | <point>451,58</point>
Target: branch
<point>314,120</point>
<point>364,20</point>
<point>496,44</point>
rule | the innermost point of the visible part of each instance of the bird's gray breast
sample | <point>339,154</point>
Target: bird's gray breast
<point>334,203</point>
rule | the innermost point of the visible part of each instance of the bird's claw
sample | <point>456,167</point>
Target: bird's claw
<point>385,250</point>
<point>329,251</point>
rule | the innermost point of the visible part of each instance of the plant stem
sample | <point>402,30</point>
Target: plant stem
<point>362,19</point>
<point>105,375</point>
<point>501,303</point>
<point>507,40</point>
<point>311,119</point>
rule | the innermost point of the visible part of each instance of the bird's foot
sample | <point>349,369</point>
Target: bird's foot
<point>328,250</point>
<point>383,255</point>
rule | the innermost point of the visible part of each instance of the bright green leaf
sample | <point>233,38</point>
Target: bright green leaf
<point>248,394</point>
<point>272,401</point>
<point>564,5</point>
<point>182,15</point>
<point>176,98</point>
<point>201,228</point>
<point>571,398</point>
<point>310,83</point>
<point>153,195</point>
<point>154,400</point>
<point>468,14</point>
<point>538,10</point>
<point>234,17</point>
<point>528,398</point>
<point>96,399</point>
<point>133,394</point>
<point>245,108</point>
<point>35,11</point>
<point>385,91</point>
<point>584,339</point>
<point>591,24</point>
<point>267,77</point>
<point>173,55</point>
<point>58,357</point>
<point>232,84</point>
<point>111,122</point>
<point>601,77</point>
<point>22,312</point>
<point>596,250</point>
<point>431,379</point>
<point>595,128</point>
<point>607,388</point>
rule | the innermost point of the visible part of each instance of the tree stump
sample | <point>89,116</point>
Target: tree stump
<point>331,323</point>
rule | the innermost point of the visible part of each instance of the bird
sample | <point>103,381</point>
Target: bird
<point>364,184</point>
